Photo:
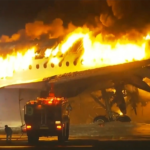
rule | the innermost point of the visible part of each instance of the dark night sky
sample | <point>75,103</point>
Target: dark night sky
<point>14,14</point>
<point>115,16</point>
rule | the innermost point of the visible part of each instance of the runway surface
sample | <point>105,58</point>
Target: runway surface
<point>111,135</point>
<point>82,142</point>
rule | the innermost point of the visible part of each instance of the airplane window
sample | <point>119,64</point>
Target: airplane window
<point>75,63</point>
<point>37,66</point>
<point>52,65</point>
<point>30,67</point>
<point>60,64</point>
<point>67,63</point>
<point>45,65</point>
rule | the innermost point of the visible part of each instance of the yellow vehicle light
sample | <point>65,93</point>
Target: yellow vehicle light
<point>57,122</point>
<point>58,127</point>
<point>28,127</point>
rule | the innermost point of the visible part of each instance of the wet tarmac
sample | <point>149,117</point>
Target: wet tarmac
<point>107,136</point>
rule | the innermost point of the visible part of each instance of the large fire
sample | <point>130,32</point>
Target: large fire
<point>96,52</point>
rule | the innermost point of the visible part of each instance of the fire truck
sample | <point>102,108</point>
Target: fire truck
<point>47,117</point>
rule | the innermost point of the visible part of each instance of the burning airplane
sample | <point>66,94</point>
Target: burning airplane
<point>84,58</point>
<point>78,63</point>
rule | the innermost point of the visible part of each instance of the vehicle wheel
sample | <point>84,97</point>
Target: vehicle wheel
<point>61,137</point>
<point>36,139</point>
<point>100,119</point>
<point>33,139</point>
<point>67,132</point>
<point>30,139</point>
<point>123,119</point>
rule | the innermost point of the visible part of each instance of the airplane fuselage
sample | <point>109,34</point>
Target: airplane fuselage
<point>40,69</point>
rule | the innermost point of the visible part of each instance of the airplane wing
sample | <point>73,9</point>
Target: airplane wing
<point>72,84</point>
<point>33,85</point>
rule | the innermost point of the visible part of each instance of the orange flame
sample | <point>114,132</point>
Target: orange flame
<point>96,53</point>
<point>16,62</point>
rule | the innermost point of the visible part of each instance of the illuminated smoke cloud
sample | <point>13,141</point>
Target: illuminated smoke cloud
<point>126,19</point>
<point>120,8</point>
<point>130,15</point>
<point>38,28</point>
<point>106,20</point>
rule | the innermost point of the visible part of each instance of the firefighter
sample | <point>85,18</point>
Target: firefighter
<point>69,108</point>
<point>8,132</point>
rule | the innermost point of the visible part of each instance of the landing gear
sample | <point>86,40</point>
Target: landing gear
<point>107,104</point>
<point>123,118</point>
<point>100,119</point>
<point>117,98</point>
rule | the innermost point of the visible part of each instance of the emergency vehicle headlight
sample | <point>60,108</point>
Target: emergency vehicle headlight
<point>28,127</point>
<point>57,122</point>
<point>58,127</point>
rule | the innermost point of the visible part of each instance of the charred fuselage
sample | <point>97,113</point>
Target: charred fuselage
<point>72,84</point>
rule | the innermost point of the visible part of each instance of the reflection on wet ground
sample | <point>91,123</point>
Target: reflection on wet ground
<point>111,130</point>
<point>109,135</point>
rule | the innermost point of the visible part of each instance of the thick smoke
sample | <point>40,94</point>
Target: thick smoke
<point>120,8</point>
<point>127,18</point>
<point>38,28</point>
<point>130,14</point>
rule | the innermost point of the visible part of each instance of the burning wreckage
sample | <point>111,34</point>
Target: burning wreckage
<point>82,62</point>
<point>115,82</point>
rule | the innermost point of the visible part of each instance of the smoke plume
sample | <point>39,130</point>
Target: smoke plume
<point>118,18</point>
